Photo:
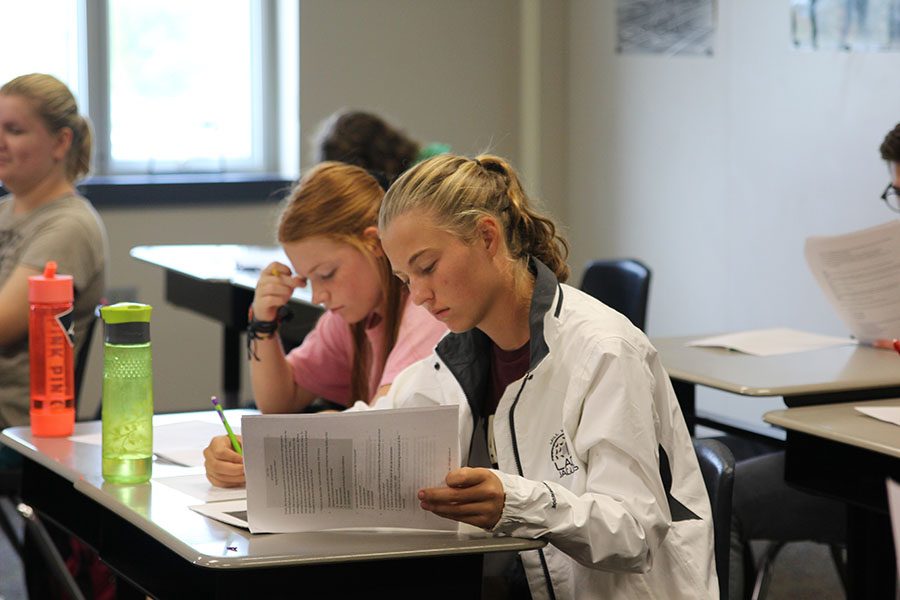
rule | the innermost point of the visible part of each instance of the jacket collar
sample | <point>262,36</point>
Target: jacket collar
<point>467,354</point>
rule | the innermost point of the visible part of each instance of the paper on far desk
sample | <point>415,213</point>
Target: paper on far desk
<point>257,258</point>
<point>771,342</point>
<point>860,275</point>
<point>888,414</point>
<point>359,469</point>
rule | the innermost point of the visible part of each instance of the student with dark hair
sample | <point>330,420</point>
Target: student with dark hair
<point>890,153</point>
<point>569,428</point>
<point>366,140</point>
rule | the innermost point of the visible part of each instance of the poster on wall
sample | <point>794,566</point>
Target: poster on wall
<point>668,27</point>
<point>845,25</point>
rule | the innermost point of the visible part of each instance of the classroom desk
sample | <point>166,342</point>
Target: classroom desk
<point>147,534</point>
<point>833,450</point>
<point>218,281</point>
<point>838,374</point>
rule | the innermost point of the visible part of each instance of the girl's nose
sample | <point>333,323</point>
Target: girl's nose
<point>320,295</point>
<point>418,292</point>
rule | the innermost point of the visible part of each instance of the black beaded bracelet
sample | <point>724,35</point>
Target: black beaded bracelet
<point>263,330</point>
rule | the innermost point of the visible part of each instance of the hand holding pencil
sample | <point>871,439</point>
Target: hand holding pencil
<point>223,458</point>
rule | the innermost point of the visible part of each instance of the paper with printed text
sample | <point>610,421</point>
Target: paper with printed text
<point>354,469</point>
<point>860,275</point>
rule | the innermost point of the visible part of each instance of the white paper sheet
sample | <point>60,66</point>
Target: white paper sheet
<point>771,342</point>
<point>860,275</point>
<point>198,486</point>
<point>888,414</point>
<point>362,469</point>
<point>183,442</point>
<point>180,443</point>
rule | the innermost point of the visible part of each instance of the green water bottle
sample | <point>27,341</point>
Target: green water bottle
<point>127,393</point>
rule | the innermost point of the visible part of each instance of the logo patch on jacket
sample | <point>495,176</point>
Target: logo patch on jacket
<point>560,455</point>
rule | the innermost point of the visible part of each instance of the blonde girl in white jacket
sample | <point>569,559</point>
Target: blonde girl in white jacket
<point>569,427</point>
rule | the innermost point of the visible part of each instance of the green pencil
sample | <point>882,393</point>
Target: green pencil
<point>234,441</point>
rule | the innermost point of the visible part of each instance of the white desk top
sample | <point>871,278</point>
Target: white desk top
<point>842,423</point>
<point>837,369</point>
<point>162,512</point>
<point>231,263</point>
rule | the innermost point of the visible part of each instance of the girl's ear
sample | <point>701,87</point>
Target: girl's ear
<point>489,234</point>
<point>62,143</point>
<point>372,241</point>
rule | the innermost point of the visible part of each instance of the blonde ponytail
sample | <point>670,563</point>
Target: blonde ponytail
<point>457,191</point>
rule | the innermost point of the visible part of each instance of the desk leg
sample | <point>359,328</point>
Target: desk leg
<point>231,366</point>
<point>871,568</point>
<point>686,392</point>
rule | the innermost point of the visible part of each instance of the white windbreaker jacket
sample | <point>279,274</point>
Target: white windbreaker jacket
<point>594,454</point>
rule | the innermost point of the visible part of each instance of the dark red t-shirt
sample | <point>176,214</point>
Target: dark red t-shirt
<point>506,367</point>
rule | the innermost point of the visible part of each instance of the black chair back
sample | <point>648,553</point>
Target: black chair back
<point>622,284</point>
<point>82,357</point>
<point>717,468</point>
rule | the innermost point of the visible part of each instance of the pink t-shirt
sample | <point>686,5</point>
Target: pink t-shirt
<point>323,363</point>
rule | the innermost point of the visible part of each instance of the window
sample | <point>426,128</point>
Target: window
<point>170,86</point>
<point>58,50</point>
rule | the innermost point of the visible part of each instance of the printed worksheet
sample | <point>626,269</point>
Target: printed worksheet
<point>354,469</point>
<point>860,275</point>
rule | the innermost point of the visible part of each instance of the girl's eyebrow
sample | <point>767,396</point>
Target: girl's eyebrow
<point>313,269</point>
<point>416,255</point>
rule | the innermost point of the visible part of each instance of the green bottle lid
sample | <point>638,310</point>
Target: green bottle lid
<point>126,312</point>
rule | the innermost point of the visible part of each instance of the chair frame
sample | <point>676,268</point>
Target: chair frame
<point>718,477</point>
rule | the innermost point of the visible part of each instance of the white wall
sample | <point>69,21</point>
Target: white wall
<point>444,71</point>
<point>715,170</point>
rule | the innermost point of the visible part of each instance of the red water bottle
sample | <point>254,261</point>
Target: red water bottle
<point>50,344</point>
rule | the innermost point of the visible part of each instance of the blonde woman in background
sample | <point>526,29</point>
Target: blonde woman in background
<point>45,148</point>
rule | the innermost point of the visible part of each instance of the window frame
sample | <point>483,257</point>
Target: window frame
<point>94,77</point>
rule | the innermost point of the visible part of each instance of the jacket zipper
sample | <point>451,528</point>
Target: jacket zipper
<point>515,447</point>
<point>465,395</point>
